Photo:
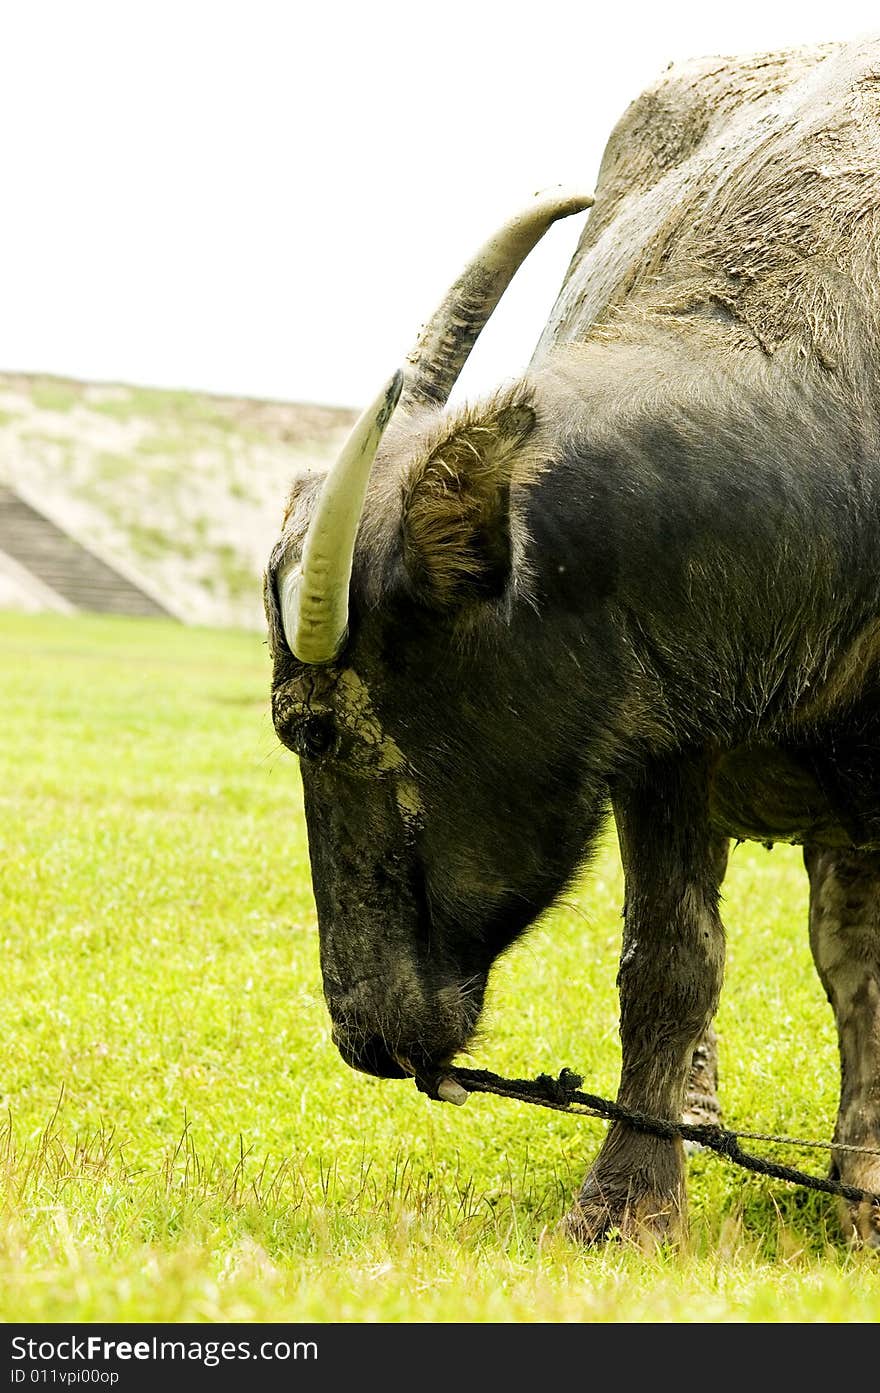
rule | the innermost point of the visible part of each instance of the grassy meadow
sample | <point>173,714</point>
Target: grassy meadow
<point>179,1140</point>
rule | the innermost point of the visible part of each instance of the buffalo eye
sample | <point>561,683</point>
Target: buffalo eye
<point>314,736</point>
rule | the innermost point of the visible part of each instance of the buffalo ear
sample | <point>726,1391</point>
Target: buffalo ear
<point>456,505</point>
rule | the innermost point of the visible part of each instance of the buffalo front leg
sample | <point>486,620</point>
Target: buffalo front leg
<point>701,1105</point>
<point>669,981</point>
<point>845,939</point>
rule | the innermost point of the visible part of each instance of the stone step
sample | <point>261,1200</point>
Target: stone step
<point>80,577</point>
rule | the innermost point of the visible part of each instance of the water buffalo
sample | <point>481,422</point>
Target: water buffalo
<point>644,578</point>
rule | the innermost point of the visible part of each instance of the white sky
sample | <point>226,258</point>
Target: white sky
<point>269,198</point>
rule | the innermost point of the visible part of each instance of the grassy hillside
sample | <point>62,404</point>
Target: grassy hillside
<point>180,1139</point>
<point>183,489</point>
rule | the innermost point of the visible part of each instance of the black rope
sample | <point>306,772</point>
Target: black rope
<point>565,1094</point>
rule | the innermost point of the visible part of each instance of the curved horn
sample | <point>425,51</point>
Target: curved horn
<point>447,339</point>
<point>313,592</point>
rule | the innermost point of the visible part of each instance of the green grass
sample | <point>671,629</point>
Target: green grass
<point>192,414</point>
<point>53,394</point>
<point>181,1140</point>
<point>158,401</point>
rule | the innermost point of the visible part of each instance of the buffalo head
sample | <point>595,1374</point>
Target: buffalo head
<point>414,679</point>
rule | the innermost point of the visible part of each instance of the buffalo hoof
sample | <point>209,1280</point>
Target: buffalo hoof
<point>861,1224</point>
<point>645,1219</point>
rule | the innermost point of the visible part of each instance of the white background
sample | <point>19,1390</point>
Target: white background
<point>267,199</point>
